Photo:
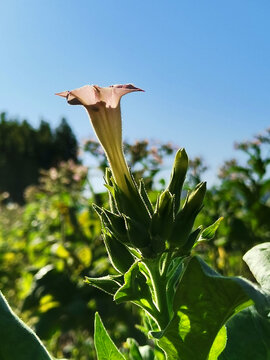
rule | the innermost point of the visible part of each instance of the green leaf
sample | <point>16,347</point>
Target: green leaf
<point>135,286</point>
<point>131,289</point>
<point>210,231</point>
<point>219,344</point>
<point>17,340</point>
<point>134,352</point>
<point>137,352</point>
<point>258,260</point>
<point>248,337</point>
<point>249,324</point>
<point>203,302</point>
<point>105,348</point>
<point>109,284</point>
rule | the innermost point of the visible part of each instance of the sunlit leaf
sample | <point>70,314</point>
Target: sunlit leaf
<point>105,348</point>
<point>204,301</point>
<point>109,284</point>
<point>258,260</point>
<point>248,337</point>
<point>18,341</point>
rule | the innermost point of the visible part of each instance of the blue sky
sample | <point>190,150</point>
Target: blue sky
<point>205,66</point>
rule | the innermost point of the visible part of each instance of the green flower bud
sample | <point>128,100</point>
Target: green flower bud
<point>178,176</point>
<point>185,218</point>
<point>195,199</point>
<point>162,221</point>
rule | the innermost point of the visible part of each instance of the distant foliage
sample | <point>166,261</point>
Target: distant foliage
<point>145,158</point>
<point>25,150</point>
<point>242,197</point>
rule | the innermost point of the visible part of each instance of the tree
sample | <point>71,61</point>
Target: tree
<point>25,150</point>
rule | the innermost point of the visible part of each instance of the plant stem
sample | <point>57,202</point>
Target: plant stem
<point>159,283</point>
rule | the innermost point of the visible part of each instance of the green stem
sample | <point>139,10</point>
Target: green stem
<point>159,283</point>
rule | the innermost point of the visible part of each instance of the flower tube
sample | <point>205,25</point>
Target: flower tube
<point>103,108</point>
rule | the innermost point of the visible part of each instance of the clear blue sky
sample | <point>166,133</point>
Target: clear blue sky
<point>205,66</point>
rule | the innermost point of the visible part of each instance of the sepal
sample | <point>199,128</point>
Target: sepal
<point>109,185</point>
<point>119,255</point>
<point>112,222</point>
<point>116,224</point>
<point>132,205</point>
<point>144,195</point>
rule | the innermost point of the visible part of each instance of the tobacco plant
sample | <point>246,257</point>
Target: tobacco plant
<point>185,303</point>
<point>188,304</point>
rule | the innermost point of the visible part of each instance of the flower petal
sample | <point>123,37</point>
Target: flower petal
<point>91,95</point>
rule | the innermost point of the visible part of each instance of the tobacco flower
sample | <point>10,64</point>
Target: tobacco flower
<point>103,108</point>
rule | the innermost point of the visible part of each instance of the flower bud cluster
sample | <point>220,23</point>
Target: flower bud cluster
<point>146,231</point>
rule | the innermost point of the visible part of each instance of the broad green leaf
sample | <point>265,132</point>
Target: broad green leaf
<point>248,337</point>
<point>203,302</point>
<point>219,344</point>
<point>18,341</point>
<point>248,331</point>
<point>105,348</point>
<point>258,260</point>
<point>210,231</point>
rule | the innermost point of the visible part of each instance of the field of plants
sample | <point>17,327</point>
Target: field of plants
<point>160,261</point>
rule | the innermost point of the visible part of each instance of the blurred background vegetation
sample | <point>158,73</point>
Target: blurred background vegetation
<point>50,234</point>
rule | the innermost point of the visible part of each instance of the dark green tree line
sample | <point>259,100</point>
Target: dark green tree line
<point>25,150</point>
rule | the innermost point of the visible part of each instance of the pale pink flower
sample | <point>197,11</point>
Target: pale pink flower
<point>103,107</point>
